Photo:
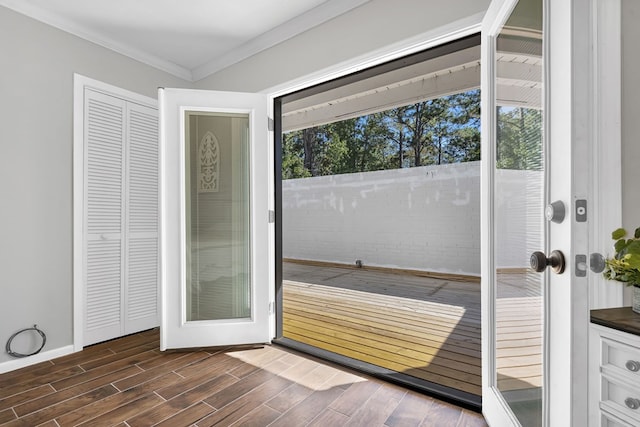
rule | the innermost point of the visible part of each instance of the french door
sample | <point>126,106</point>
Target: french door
<point>215,251</point>
<point>534,294</point>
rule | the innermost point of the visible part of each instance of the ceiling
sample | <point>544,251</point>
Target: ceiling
<point>190,39</point>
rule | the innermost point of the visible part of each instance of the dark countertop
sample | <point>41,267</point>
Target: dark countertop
<point>623,319</point>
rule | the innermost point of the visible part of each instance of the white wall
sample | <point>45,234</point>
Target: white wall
<point>365,29</point>
<point>37,63</point>
<point>630,117</point>
<point>425,218</point>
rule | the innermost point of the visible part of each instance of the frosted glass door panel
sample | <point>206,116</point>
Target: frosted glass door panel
<point>218,282</point>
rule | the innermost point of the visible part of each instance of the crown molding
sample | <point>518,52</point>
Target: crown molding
<point>297,25</point>
<point>301,23</point>
<point>86,33</point>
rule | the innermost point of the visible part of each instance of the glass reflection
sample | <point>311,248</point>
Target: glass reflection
<point>218,284</point>
<point>519,196</point>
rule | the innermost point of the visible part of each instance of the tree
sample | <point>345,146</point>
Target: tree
<point>435,131</point>
<point>292,157</point>
<point>519,138</point>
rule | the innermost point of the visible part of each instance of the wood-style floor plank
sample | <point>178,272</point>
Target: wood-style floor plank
<point>377,409</point>
<point>410,412</point>
<point>111,403</point>
<point>137,385</point>
<point>237,409</point>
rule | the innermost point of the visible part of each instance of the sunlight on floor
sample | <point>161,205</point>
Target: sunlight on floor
<point>292,367</point>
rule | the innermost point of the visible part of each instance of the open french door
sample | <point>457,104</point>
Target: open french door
<point>215,221</point>
<point>536,63</point>
<point>534,308</point>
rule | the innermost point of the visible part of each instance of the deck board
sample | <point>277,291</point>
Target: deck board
<point>425,327</point>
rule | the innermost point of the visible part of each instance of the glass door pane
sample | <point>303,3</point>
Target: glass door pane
<point>519,194</point>
<point>217,169</point>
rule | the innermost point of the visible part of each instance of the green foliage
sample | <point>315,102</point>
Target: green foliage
<point>292,163</point>
<point>519,139</point>
<point>624,266</point>
<point>436,131</point>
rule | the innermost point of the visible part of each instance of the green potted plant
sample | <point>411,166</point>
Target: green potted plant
<point>624,265</point>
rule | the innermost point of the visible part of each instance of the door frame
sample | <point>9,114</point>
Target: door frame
<point>435,53</point>
<point>602,95</point>
<point>80,83</point>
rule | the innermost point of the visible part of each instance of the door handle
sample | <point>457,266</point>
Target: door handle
<point>539,261</point>
<point>596,262</point>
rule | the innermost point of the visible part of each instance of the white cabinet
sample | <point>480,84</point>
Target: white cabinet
<point>614,377</point>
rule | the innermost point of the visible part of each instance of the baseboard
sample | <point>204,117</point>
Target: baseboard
<point>12,365</point>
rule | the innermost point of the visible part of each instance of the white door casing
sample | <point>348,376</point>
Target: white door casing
<point>176,330</point>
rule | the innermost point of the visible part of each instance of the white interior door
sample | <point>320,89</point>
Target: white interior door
<point>515,191</point>
<point>538,64</point>
<point>215,251</point>
<point>119,219</point>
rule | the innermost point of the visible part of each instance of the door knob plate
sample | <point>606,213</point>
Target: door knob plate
<point>539,261</point>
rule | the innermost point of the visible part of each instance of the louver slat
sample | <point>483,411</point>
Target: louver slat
<point>104,181</point>
<point>104,283</point>
<point>121,208</point>
<point>142,218</point>
<point>142,278</point>
<point>143,171</point>
<point>105,132</point>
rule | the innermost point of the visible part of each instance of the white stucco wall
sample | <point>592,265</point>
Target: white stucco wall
<point>425,218</point>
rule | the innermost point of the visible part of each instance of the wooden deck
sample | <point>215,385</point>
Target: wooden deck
<point>127,382</point>
<point>425,327</point>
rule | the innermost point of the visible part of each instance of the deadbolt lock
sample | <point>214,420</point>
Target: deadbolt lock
<point>555,212</point>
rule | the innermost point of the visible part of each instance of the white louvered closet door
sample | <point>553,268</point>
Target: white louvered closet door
<point>121,217</point>
<point>141,290</point>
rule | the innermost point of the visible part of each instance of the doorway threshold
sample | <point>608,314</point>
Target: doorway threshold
<point>451,395</point>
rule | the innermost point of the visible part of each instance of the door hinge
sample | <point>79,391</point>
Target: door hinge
<point>272,307</point>
<point>272,217</point>
<point>270,124</point>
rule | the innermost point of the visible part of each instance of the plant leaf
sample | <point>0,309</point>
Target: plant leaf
<point>633,247</point>
<point>619,233</point>
<point>620,245</point>
<point>637,233</point>
<point>634,261</point>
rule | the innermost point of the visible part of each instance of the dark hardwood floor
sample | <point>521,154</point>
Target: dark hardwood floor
<point>129,382</point>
